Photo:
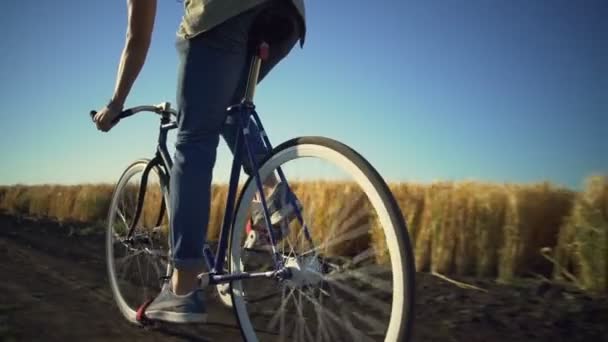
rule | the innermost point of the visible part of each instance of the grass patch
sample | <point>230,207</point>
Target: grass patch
<point>462,228</point>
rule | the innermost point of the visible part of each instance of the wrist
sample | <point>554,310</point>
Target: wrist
<point>115,104</point>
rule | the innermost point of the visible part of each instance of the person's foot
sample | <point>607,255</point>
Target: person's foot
<point>169,307</point>
<point>281,209</point>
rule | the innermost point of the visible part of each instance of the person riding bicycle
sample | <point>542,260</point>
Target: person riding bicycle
<point>214,44</point>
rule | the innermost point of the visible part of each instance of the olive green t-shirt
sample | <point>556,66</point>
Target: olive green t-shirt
<point>203,15</point>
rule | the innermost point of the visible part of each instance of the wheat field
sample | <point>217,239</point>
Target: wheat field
<point>503,231</point>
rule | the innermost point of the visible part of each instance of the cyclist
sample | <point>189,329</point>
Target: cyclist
<point>214,46</point>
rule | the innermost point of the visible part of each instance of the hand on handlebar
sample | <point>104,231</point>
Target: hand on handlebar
<point>106,118</point>
<point>109,116</point>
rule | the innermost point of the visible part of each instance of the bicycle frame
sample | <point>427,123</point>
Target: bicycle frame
<point>240,115</point>
<point>161,158</point>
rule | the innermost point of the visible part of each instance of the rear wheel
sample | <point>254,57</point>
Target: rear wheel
<point>136,266</point>
<point>352,277</point>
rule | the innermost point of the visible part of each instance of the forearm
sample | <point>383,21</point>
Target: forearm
<point>131,62</point>
<point>141,14</point>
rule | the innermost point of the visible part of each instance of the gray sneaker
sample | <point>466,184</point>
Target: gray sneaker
<point>280,207</point>
<point>169,307</point>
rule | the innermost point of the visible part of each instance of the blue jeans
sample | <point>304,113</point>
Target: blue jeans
<point>212,74</point>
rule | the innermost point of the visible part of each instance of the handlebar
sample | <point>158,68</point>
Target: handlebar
<point>163,108</point>
<point>122,115</point>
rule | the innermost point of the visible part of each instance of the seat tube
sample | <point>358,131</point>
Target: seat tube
<point>258,181</point>
<point>229,213</point>
<point>254,71</point>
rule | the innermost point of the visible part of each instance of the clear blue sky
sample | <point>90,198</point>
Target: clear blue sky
<point>513,91</point>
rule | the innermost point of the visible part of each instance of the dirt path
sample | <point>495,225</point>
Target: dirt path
<point>54,288</point>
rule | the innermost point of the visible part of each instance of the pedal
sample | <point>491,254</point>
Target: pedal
<point>140,315</point>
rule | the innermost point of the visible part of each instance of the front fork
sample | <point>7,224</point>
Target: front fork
<point>155,162</point>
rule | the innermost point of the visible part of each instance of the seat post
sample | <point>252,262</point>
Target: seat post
<point>254,71</point>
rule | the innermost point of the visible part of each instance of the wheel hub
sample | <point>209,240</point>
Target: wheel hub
<point>304,271</point>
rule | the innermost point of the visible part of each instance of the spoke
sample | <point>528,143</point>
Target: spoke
<point>117,238</point>
<point>145,290</point>
<point>350,219</point>
<point>126,266</point>
<point>156,268</point>
<point>125,258</point>
<point>125,202</point>
<point>287,242</point>
<point>307,217</point>
<point>371,269</point>
<point>283,246</point>
<point>130,199</point>
<point>122,217</point>
<point>284,299</point>
<point>338,320</point>
<point>370,320</point>
<point>356,214</point>
<point>378,328</point>
<point>344,237</point>
<point>257,299</point>
<point>124,220</point>
<point>155,253</point>
<point>332,334</point>
<point>302,318</point>
<point>382,285</point>
<point>330,234</point>
<point>147,277</point>
<point>301,236</point>
<point>361,297</point>
<point>320,325</point>
<point>341,305</point>
<point>282,329</point>
<point>298,238</point>
<point>343,312</point>
<point>133,199</point>
<point>366,254</point>
<point>121,207</point>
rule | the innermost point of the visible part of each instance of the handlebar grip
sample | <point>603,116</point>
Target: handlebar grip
<point>120,116</point>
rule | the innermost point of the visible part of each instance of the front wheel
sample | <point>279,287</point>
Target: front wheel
<point>348,253</point>
<point>137,265</point>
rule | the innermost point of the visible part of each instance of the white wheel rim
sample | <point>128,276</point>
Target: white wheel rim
<point>124,308</point>
<point>326,153</point>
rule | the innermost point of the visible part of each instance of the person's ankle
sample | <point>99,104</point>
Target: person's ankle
<point>184,282</point>
<point>181,291</point>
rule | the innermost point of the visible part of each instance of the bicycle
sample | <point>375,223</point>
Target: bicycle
<point>347,279</point>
